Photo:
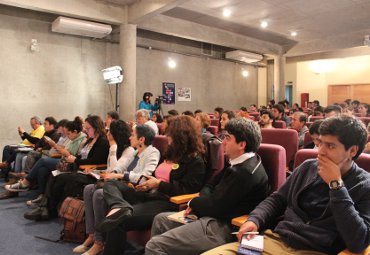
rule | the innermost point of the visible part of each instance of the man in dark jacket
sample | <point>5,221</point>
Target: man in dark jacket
<point>241,187</point>
<point>325,202</point>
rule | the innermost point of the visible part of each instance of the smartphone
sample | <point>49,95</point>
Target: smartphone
<point>141,180</point>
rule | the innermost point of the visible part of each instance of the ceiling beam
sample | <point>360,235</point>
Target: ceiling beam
<point>332,43</point>
<point>144,9</point>
<point>82,9</point>
<point>194,31</point>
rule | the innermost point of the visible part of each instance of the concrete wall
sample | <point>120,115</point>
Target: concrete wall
<point>213,82</point>
<point>63,79</point>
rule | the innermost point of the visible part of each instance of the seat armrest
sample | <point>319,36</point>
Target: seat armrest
<point>238,221</point>
<point>347,252</point>
<point>56,155</point>
<point>183,198</point>
<point>101,166</point>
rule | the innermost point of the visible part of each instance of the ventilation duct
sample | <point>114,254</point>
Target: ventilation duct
<point>244,56</point>
<point>80,27</point>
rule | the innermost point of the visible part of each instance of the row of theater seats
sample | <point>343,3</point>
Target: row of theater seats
<point>274,158</point>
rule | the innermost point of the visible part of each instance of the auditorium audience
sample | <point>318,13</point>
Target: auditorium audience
<point>241,186</point>
<point>143,118</point>
<point>363,110</point>
<point>157,118</point>
<point>217,112</point>
<point>323,207</point>
<point>314,133</point>
<point>111,116</point>
<point>121,154</point>
<point>182,172</point>
<point>267,120</point>
<point>332,110</point>
<point>299,124</point>
<point>279,114</point>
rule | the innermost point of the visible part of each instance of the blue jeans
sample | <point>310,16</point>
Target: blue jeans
<point>41,171</point>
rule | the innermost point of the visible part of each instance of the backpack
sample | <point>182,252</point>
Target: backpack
<point>72,212</point>
<point>214,158</point>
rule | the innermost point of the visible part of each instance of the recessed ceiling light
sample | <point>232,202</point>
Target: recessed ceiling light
<point>171,63</point>
<point>293,33</point>
<point>264,24</point>
<point>226,13</point>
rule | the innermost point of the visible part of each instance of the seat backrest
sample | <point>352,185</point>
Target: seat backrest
<point>365,120</point>
<point>307,138</point>
<point>362,161</point>
<point>288,138</point>
<point>274,161</point>
<point>161,143</point>
<point>213,129</point>
<point>314,118</point>
<point>256,115</point>
<point>214,156</point>
<point>279,124</point>
<point>160,128</point>
<point>214,122</point>
<point>308,124</point>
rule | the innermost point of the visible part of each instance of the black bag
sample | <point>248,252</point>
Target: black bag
<point>64,166</point>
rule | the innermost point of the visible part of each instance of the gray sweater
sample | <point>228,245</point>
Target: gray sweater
<point>345,222</point>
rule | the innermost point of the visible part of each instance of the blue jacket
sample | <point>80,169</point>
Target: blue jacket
<point>345,222</point>
<point>150,107</point>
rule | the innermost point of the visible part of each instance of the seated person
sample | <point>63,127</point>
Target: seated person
<point>332,110</point>
<point>157,118</point>
<point>314,133</point>
<point>203,121</point>
<point>279,114</point>
<point>299,124</point>
<point>143,118</point>
<point>50,126</point>
<point>95,151</point>
<point>238,190</point>
<point>111,116</point>
<point>325,202</point>
<point>243,112</point>
<point>119,140</point>
<point>43,167</point>
<point>217,112</point>
<point>182,172</point>
<point>225,117</point>
<point>9,152</point>
<point>267,120</point>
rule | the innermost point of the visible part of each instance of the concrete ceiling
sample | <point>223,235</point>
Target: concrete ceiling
<point>322,25</point>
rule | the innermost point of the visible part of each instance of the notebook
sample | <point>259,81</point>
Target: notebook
<point>243,251</point>
<point>179,217</point>
<point>255,243</point>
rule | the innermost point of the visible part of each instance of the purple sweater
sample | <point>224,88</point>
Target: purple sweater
<point>345,222</point>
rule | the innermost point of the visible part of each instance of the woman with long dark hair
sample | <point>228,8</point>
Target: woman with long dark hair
<point>182,172</point>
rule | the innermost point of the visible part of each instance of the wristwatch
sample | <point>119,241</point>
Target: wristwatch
<point>336,184</point>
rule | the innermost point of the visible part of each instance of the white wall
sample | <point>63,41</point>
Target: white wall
<point>351,70</point>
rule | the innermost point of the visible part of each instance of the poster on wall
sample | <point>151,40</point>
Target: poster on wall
<point>168,91</point>
<point>184,94</point>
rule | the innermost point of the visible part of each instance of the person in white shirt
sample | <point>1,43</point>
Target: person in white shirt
<point>143,118</point>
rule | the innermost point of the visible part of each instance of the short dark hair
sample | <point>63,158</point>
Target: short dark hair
<point>146,132</point>
<point>333,107</point>
<point>51,120</point>
<point>316,102</point>
<point>271,116</point>
<point>173,112</point>
<point>243,108</point>
<point>121,132</point>
<point>319,109</point>
<point>314,128</point>
<point>188,113</point>
<point>61,123</point>
<point>245,130</point>
<point>230,114</point>
<point>218,109</point>
<point>279,107</point>
<point>349,130</point>
<point>355,102</point>
<point>113,114</point>
<point>197,111</point>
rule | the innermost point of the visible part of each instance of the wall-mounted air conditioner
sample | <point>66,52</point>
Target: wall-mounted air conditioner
<point>80,27</point>
<point>244,56</point>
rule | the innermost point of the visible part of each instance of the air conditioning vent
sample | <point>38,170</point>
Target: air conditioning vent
<point>244,56</point>
<point>80,27</point>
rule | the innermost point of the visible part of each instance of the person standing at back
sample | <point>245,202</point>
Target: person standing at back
<point>147,105</point>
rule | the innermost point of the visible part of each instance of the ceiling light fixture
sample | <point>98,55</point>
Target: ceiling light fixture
<point>293,33</point>
<point>226,13</point>
<point>264,24</point>
<point>245,73</point>
<point>171,63</point>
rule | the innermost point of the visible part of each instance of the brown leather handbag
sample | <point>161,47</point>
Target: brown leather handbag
<point>72,212</point>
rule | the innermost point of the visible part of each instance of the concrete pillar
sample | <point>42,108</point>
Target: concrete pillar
<point>279,79</point>
<point>127,91</point>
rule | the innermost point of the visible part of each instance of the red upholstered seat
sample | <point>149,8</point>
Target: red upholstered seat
<point>287,138</point>
<point>365,120</point>
<point>314,118</point>
<point>160,128</point>
<point>274,161</point>
<point>362,161</point>
<point>161,143</point>
<point>214,122</point>
<point>279,124</point>
<point>213,129</point>
<point>307,138</point>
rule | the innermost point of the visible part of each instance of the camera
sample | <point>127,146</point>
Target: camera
<point>159,99</point>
